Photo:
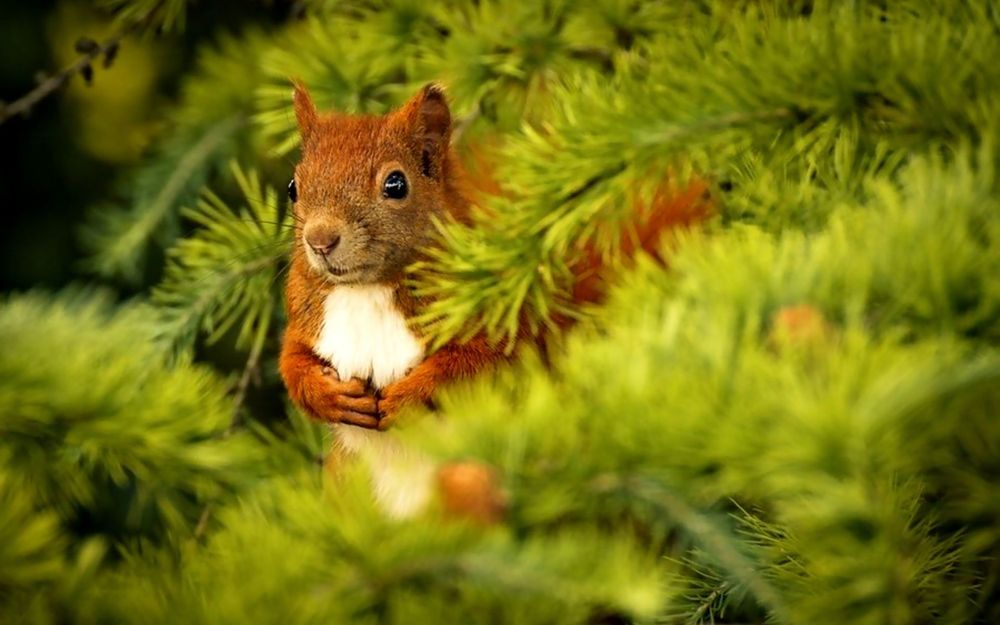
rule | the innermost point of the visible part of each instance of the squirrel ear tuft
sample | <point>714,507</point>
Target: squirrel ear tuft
<point>305,111</point>
<point>428,119</point>
<point>435,117</point>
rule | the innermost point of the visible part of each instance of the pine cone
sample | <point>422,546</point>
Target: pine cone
<point>471,490</point>
<point>799,326</point>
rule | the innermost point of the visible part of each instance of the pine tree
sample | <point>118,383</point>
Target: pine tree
<point>793,422</point>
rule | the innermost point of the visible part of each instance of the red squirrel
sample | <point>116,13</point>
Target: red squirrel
<point>365,194</point>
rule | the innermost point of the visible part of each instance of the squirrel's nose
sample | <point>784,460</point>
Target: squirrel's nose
<point>323,242</point>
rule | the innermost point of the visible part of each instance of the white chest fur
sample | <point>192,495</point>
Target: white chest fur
<point>365,336</point>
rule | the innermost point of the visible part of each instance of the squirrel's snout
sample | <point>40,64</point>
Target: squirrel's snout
<point>322,240</point>
<point>340,251</point>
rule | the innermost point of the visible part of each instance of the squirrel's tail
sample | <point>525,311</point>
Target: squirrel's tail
<point>671,209</point>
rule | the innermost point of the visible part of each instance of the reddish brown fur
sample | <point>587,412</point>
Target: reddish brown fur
<point>342,159</point>
<point>471,491</point>
<point>670,209</point>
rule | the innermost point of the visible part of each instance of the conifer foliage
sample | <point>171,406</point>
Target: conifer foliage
<point>794,422</point>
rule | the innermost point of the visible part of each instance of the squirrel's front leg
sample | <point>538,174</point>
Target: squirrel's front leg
<point>317,388</point>
<point>451,362</point>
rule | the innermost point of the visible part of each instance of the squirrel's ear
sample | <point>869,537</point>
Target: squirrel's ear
<point>305,112</point>
<point>429,120</point>
<point>435,117</point>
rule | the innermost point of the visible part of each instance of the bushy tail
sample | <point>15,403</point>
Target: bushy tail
<point>671,209</point>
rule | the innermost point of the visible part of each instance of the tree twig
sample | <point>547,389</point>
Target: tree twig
<point>202,526</point>
<point>24,104</point>
<point>242,386</point>
<point>706,605</point>
<point>249,371</point>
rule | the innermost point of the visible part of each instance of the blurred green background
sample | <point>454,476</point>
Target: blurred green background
<point>78,146</point>
<point>794,423</point>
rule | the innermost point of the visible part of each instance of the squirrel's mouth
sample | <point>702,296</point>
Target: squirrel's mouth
<point>340,271</point>
<point>342,275</point>
<point>337,273</point>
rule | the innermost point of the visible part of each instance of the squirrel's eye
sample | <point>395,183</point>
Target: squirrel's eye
<point>293,193</point>
<point>394,187</point>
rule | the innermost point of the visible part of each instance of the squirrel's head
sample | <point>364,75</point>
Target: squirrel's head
<point>367,187</point>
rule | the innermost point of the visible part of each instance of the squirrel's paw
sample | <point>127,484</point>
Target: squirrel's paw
<point>347,401</point>
<point>412,389</point>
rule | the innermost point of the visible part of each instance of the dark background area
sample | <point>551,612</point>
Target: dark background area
<point>47,180</point>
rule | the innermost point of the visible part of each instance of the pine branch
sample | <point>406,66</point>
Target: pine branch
<point>31,552</point>
<point>105,420</point>
<point>90,51</point>
<point>699,128</point>
<point>119,237</point>
<point>250,370</point>
<point>708,604</point>
<point>207,129</point>
<point>719,544</point>
<point>573,182</point>
<point>167,14</point>
<point>225,274</point>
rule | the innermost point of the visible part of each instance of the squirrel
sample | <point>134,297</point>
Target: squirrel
<point>365,196</point>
